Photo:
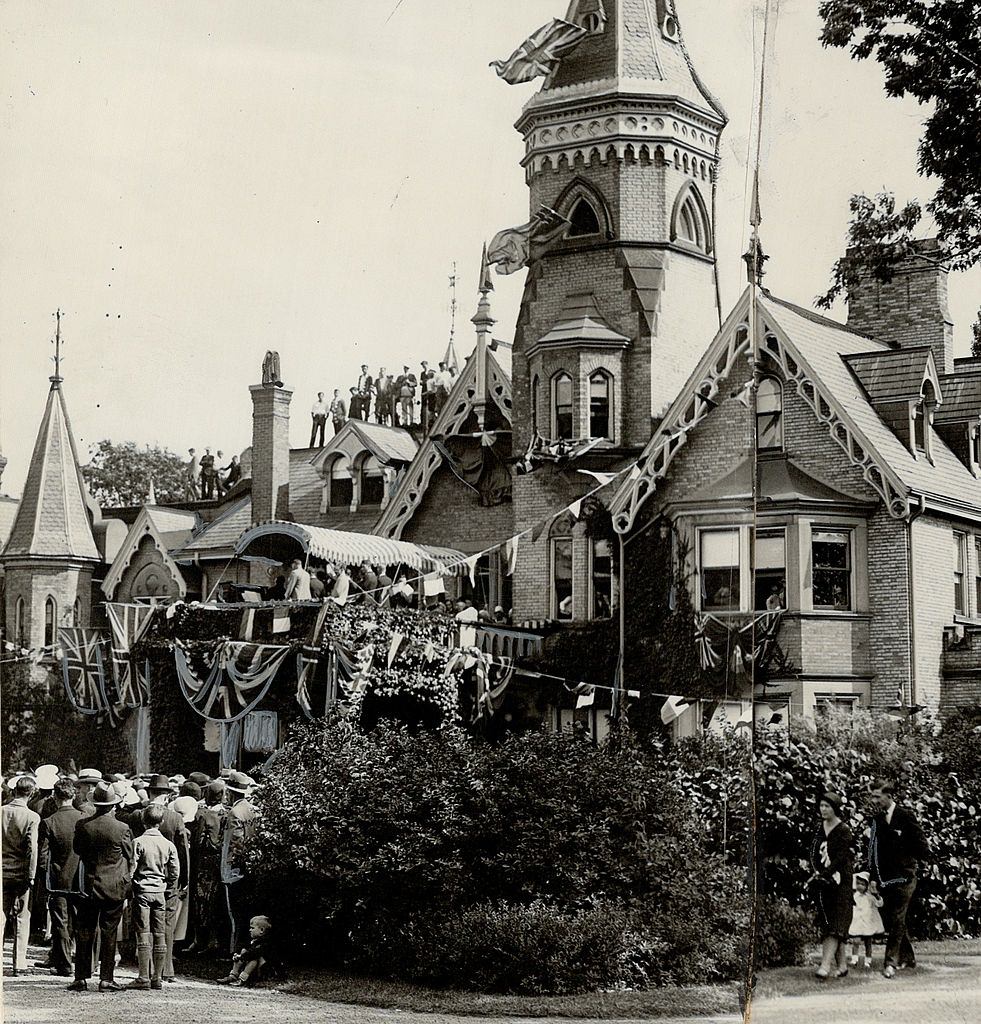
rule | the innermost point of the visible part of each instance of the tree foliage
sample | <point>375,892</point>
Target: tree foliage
<point>932,52</point>
<point>976,342</point>
<point>119,474</point>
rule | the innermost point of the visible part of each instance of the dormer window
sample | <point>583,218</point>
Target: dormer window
<point>372,482</point>
<point>922,416</point>
<point>593,23</point>
<point>919,433</point>
<point>583,220</point>
<point>562,407</point>
<point>975,442</point>
<point>341,486</point>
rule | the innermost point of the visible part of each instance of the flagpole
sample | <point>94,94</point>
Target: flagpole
<point>754,265</point>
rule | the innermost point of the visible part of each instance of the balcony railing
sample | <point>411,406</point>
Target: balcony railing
<point>508,641</point>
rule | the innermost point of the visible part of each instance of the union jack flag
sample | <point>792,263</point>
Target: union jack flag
<point>129,623</point>
<point>84,672</point>
<point>313,669</point>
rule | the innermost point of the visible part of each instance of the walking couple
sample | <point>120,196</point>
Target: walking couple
<point>848,903</point>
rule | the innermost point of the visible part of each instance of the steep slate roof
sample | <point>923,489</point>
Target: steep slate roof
<point>53,519</point>
<point>896,375</point>
<point>824,351</point>
<point>171,522</point>
<point>962,397</point>
<point>632,50</point>
<point>306,487</point>
<point>219,536</point>
<point>387,444</point>
<point>825,346</point>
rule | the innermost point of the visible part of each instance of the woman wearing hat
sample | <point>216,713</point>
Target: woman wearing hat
<point>832,866</point>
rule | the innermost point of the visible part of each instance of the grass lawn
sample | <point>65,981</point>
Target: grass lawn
<point>337,987</point>
<point>697,1001</point>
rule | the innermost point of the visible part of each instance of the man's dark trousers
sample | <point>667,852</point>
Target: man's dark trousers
<point>102,916</point>
<point>238,914</point>
<point>896,900</point>
<point>319,426</point>
<point>62,914</point>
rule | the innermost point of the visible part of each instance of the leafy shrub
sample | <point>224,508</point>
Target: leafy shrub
<point>849,756</point>
<point>783,934</point>
<point>541,863</point>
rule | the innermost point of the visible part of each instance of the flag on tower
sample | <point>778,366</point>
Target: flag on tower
<point>540,52</point>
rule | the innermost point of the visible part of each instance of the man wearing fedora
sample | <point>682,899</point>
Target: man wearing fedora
<point>105,849</point>
<point>897,847</point>
<point>237,833</point>
<point>88,779</point>
<point>20,852</point>
<point>60,864</point>
<point>172,828</point>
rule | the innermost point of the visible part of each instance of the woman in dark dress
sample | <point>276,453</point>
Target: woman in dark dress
<point>832,866</point>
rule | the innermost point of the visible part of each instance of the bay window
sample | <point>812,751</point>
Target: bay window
<point>600,403</point>
<point>770,576</point>
<point>719,569</point>
<point>831,565</point>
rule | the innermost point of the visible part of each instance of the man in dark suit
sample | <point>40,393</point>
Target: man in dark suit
<point>896,848</point>
<point>105,849</point>
<point>60,864</point>
<point>20,830</point>
<point>172,827</point>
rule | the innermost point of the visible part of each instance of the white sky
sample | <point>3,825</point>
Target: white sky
<point>194,183</point>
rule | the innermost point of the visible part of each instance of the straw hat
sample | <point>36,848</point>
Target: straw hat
<point>239,782</point>
<point>47,776</point>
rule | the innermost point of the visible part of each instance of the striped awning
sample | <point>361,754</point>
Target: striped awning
<point>352,548</point>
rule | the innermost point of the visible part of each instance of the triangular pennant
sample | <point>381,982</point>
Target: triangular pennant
<point>576,508</point>
<point>511,554</point>
<point>674,707</point>
<point>394,647</point>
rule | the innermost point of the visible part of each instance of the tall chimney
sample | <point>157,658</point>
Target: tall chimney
<point>909,310</point>
<point>270,445</point>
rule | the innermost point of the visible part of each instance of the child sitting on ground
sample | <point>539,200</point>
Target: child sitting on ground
<point>866,920</point>
<point>250,964</point>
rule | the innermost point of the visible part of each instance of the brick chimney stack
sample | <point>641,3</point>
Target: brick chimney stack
<point>911,309</point>
<point>270,447</point>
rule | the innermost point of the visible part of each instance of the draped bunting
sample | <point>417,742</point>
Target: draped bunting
<point>738,641</point>
<point>309,663</point>
<point>239,676</point>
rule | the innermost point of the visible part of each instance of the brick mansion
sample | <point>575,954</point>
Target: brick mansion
<point>827,472</point>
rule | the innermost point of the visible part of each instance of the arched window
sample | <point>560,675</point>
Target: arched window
<point>50,621</point>
<point>341,485</point>
<point>691,224</point>
<point>601,405</point>
<point>19,622</point>
<point>372,482</point>
<point>562,406</point>
<point>583,220</point>
<point>769,414</point>
<point>560,567</point>
<point>536,389</point>
<point>77,612</point>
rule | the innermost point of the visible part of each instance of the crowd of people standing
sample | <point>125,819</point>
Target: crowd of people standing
<point>140,868</point>
<point>405,400</point>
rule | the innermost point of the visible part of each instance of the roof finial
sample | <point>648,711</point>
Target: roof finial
<point>57,378</point>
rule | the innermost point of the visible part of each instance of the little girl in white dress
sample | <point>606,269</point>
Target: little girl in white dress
<point>866,919</point>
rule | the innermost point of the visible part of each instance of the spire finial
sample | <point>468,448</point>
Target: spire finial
<point>57,378</point>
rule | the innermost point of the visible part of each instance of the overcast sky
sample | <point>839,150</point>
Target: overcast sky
<point>194,183</point>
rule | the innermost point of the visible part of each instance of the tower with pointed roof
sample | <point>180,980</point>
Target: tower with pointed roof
<point>51,554</point>
<point>622,140</point>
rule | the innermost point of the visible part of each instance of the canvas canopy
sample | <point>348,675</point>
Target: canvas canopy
<point>281,541</point>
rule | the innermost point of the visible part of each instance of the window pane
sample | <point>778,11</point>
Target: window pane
<point>831,563</point>
<point>958,552</point>
<point>372,490</point>
<point>720,569</point>
<point>602,579</point>
<point>341,492</point>
<point>562,576</point>
<point>599,406</point>
<point>535,391</point>
<point>770,578</point>
<point>563,406</point>
<point>769,409</point>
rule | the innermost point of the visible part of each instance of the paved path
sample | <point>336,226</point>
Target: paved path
<point>942,991</point>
